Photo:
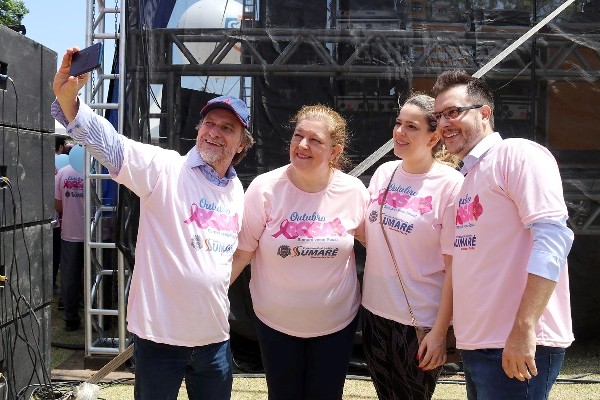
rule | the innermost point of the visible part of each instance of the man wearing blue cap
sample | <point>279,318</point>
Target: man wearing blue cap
<point>190,216</point>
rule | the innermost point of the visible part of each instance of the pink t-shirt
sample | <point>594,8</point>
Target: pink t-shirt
<point>514,184</point>
<point>418,216</point>
<point>304,279</point>
<point>188,231</point>
<point>68,188</point>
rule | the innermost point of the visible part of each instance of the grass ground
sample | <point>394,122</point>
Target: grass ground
<point>582,365</point>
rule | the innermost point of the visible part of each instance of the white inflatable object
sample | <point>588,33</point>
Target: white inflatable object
<point>212,14</point>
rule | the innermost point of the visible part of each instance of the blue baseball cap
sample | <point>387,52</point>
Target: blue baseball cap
<point>233,104</point>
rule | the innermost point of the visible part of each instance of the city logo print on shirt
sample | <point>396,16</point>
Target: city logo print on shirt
<point>74,186</point>
<point>211,216</point>
<point>468,212</point>
<point>401,200</point>
<point>309,228</point>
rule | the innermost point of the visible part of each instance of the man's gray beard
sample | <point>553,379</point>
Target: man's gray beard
<point>213,158</point>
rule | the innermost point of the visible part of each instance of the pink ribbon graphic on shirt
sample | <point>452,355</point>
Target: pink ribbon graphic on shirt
<point>425,205</point>
<point>205,218</point>
<point>309,229</point>
<point>469,212</point>
<point>421,205</point>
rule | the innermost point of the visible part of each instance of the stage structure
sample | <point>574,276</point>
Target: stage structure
<point>362,58</point>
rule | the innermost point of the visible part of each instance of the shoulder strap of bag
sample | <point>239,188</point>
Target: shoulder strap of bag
<point>387,241</point>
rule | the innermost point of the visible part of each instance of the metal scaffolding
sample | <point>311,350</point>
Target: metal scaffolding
<point>396,54</point>
<point>374,53</point>
<point>99,214</point>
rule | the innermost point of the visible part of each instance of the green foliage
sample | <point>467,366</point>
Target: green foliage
<point>10,10</point>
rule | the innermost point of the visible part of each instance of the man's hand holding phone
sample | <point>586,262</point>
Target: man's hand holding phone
<point>86,60</point>
<point>70,78</point>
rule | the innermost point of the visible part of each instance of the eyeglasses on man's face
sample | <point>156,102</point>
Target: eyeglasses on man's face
<point>454,112</point>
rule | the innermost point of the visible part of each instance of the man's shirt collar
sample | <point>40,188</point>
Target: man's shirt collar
<point>195,160</point>
<point>478,151</point>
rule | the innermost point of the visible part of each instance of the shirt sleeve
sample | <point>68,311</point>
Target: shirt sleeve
<point>359,232</point>
<point>57,192</point>
<point>97,134</point>
<point>552,241</point>
<point>254,220</point>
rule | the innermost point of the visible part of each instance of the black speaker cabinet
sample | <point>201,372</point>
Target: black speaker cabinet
<point>309,14</point>
<point>26,211</point>
<point>31,67</point>
<point>28,157</point>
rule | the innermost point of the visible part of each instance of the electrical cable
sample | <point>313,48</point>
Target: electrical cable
<point>5,386</point>
<point>33,351</point>
<point>68,346</point>
<point>22,306</point>
<point>6,336</point>
<point>17,296</point>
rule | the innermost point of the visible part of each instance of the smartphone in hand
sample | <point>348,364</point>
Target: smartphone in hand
<point>86,60</point>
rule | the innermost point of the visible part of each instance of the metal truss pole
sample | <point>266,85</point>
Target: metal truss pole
<point>98,216</point>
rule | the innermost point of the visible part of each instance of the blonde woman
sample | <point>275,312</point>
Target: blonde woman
<point>298,228</point>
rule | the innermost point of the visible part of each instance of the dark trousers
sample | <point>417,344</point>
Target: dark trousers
<point>71,266</point>
<point>391,352</point>
<point>305,368</point>
<point>160,370</point>
<point>55,254</point>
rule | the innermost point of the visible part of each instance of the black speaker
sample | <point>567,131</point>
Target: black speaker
<point>26,211</point>
<point>25,352</point>
<point>29,160</point>
<point>25,306</point>
<point>309,14</point>
<point>26,256</point>
<point>187,116</point>
<point>378,5</point>
<point>31,67</point>
<point>277,98</point>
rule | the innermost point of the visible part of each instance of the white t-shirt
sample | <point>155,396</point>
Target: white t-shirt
<point>68,188</point>
<point>304,279</point>
<point>512,185</point>
<point>188,231</point>
<point>418,216</point>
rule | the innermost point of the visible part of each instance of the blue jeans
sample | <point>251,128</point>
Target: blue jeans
<point>486,379</point>
<point>305,368</point>
<point>160,369</point>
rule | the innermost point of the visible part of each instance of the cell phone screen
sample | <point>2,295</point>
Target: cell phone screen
<point>86,60</point>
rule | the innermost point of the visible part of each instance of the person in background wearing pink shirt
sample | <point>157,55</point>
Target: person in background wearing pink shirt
<point>69,204</point>
<point>299,226</point>
<point>190,215</point>
<point>413,200</point>
<point>512,315</point>
<point>59,147</point>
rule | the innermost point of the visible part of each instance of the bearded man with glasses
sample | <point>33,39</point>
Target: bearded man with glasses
<point>512,314</point>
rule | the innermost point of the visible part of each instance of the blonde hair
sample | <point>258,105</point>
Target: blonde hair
<point>336,125</point>
<point>426,103</point>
